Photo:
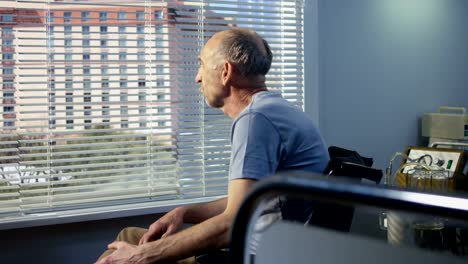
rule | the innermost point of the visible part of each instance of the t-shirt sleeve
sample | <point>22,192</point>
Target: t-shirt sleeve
<point>256,147</point>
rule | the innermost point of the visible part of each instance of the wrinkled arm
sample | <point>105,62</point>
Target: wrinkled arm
<point>194,214</point>
<point>210,234</point>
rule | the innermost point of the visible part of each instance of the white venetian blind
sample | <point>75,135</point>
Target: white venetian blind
<point>99,103</point>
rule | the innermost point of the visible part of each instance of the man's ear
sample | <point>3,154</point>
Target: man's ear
<point>228,72</point>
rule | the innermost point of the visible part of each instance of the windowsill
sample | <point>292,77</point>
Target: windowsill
<point>99,213</point>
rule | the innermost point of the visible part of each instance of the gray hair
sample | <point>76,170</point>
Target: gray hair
<point>243,48</point>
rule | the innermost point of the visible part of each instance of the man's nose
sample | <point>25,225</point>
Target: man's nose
<point>198,78</point>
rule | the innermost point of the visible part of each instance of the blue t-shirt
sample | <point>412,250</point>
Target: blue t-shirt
<point>272,135</point>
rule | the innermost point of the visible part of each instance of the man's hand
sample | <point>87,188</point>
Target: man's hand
<point>167,225</point>
<point>124,253</point>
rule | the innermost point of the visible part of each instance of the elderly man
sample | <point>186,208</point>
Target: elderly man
<point>268,135</point>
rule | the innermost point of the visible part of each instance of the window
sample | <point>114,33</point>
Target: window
<point>141,69</point>
<point>105,97</point>
<point>66,17</point>
<point>122,15</point>
<point>87,99</point>
<point>158,14</point>
<point>7,71</point>
<point>103,16</point>
<point>67,30</point>
<point>50,43</point>
<point>103,29</point>
<point>105,71</point>
<point>123,69</point>
<point>7,18</point>
<point>69,97</point>
<point>104,56</point>
<point>159,42</point>
<point>141,43</point>
<point>86,84</point>
<point>7,56</point>
<point>8,109</point>
<point>105,84</point>
<point>122,43</point>
<point>84,16</point>
<point>134,153</point>
<point>87,124</point>
<point>86,43</point>
<point>69,124</point>
<point>7,30</point>
<point>122,56</point>
<point>85,30</point>
<point>103,43</point>
<point>86,70</point>
<point>68,84</point>
<point>8,124</point>
<point>159,28</point>
<point>124,110</point>
<point>140,15</point>
<point>7,84</point>
<point>123,97</point>
<point>68,43</point>
<point>8,43</point>
<point>140,29</point>
<point>105,110</point>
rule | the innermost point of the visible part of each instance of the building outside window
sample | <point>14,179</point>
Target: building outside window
<point>86,86</point>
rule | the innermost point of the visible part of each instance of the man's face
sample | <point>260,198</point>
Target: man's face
<point>209,75</point>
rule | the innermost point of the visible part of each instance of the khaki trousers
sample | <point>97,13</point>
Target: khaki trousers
<point>132,236</point>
